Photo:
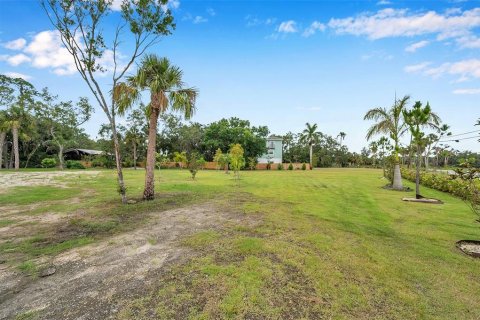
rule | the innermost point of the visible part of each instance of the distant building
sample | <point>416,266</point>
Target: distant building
<point>79,154</point>
<point>274,150</point>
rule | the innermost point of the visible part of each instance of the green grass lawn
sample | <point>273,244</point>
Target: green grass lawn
<point>327,243</point>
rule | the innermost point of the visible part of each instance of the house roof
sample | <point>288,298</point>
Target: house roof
<point>274,137</point>
<point>86,151</point>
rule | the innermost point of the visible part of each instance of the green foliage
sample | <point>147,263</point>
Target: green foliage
<point>237,161</point>
<point>225,132</point>
<point>290,166</point>
<point>103,161</point>
<point>252,163</point>
<point>452,184</point>
<point>49,163</point>
<point>180,158</point>
<point>304,166</point>
<point>73,164</point>
<point>279,166</point>
<point>194,162</point>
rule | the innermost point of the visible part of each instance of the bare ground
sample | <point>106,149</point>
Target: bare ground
<point>93,282</point>
<point>31,179</point>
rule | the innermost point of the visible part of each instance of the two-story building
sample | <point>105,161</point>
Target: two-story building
<point>274,150</point>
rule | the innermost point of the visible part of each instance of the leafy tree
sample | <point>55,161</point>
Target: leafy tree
<point>310,136</point>
<point>180,158</point>
<point>135,133</point>
<point>419,118</point>
<point>237,161</point>
<point>165,85</point>
<point>194,162</point>
<point>218,157</point>
<point>391,122</point>
<point>225,132</point>
<point>63,120</point>
<point>81,25</point>
<point>3,133</point>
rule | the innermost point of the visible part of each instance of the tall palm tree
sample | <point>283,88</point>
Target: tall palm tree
<point>166,88</point>
<point>417,120</point>
<point>310,137</point>
<point>16,117</point>
<point>391,122</point>
<point>342,136</point>
<point>3,133</point>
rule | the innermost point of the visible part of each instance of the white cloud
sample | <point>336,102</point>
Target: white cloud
<point>253,21</point>
<point>313,28</point>
<point>469,41</point>
<point>18,44</point>
<point>403,23</point>
<point>211,12</point>
<point>467,91</point>
<point>199,19</point>
<point>16,60</point>
<point>417,45</point>
<point>289,26</point>
<point>464,69</point>
<point>417,67</point>
<point>17,75</point>
<point>46,51</point>
<point>172,4</point>
<point>384,3</point>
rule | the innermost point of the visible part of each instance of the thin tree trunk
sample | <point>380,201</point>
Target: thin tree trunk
<point>134,156</point>
<point>30,155</point>
<point>2,141</point>
<point>60,156</point>
<point>15,147</point>
<point>118,161</point>
<point>417,176</point>
<point>311,157</point>
<point>149,191</point>
<point>10,163</point>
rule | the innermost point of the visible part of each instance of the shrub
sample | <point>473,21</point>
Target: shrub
<point>103,161</point>
<point>72,164</point>
<point>279,166</point>
<point>304,166</point>
<point>49,163</point>
<point>452,184</point>
<point>290,166</point>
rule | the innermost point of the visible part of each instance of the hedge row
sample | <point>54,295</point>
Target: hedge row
<point>445,183</point>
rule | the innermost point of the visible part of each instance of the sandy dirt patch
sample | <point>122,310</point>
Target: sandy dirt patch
<point>92,282</point>
<point>31,179</point>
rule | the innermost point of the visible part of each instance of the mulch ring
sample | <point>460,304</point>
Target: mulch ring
<point>469,247</point>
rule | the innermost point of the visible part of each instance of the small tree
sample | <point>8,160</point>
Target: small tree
<point>252,163</point>
<point>218,158</point>
<point>194,162</point>
<point>180,158</point>
<point>237,160</point>
<point>417,119</point>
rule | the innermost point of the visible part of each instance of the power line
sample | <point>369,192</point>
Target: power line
<point>462,134</point>
<point>457,140</point>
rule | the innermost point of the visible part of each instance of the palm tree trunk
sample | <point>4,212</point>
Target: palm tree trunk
<point>417,176</point>
<point>311,156</point>
<point>134,156</point>
<point>149,191</point>
<point>15,147</point>
<point>2,141</point>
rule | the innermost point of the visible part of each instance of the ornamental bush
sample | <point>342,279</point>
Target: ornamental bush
<point>49,163</point>
<point>446,183</point>
<point>304,166</point>
<point>72,164</point>
<point>290,166</point>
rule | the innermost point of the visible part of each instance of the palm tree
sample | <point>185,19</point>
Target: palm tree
<point>418,119</point>
<point>390,122</point>
<point>342,136</point>
<point>374,149</point>
<point>164,82</point>
<point>310,137</point>
<point>3,133</point>
<point>16,116</point>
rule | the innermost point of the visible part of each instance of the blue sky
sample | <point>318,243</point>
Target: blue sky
<point>284,63</point>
